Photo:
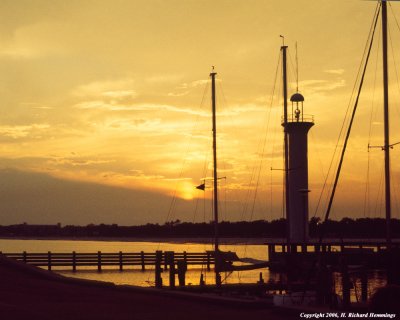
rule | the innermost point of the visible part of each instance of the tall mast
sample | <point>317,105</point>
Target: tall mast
<point>285,120</point>
<point>386,123</point>
<point>214,130</point>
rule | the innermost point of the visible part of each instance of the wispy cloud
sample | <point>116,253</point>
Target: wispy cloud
<point>17,132</point>
<point>185,88</point>
<point>78,162</point>
<point>335,71</point>
<point>111,88</point>
<point>120,94</point>
<point>102,105</point>
<point>164,78</point>
<point>322,85</point>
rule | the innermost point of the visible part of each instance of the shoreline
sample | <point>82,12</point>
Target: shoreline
<point>223,241</point>
<point>200,240</point>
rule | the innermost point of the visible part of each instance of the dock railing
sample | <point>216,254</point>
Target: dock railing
<point>103,259</point>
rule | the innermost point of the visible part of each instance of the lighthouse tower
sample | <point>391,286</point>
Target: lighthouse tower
<point>296,127</point>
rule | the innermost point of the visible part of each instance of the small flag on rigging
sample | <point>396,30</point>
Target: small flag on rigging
<point>202,186</point>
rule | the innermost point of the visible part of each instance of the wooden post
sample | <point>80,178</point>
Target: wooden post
<point>143,262</point>
<point>169,260</point>
<point>364,285</point>
<point>185,256</point>
<point>99,261</point>
<point>73,261</point>
<point>260,280</point>
<point>345,284</point>
<point>208,261</point>
<point>166,262</point>
<point>24,257</point>
<point>158,269</point>
<point>49,260</point>
<point>121,262</point>
<point>202,282</point>
<point>182,268</point>
<point>324,285</point>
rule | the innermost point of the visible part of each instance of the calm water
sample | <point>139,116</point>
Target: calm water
<point>134,276</point>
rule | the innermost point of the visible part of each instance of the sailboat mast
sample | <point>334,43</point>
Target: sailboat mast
<point>214,130</point>
<point>215,207</point>
<point>285,120</point>
<point>386,122</point>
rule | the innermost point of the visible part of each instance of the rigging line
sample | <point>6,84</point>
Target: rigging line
<point>204,173</point>
<point>394,62</point>
<point>283,189</point>
<point>174,197</point>
<point>223,104</point>
<point>324,184</point>
<point>372,29</point>
<point>236,130</point>
<point>396,198</point>
<point>396,187</point>
<point>320,164</point>
<point>394,16</point>
<point>379,196</point>
<point>264,142</point>
<point>274,134</point>
<point>367,187</point>
<point>297,70</point>
<point>292,70</point>
<point>350,126</point>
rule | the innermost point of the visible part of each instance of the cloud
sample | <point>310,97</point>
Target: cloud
<point>17,132</point>
<point>103,105</point>
<point>120,94</point>
<point>51,200</point>
<point>36,40</point>
<point>314,86</point>
<point>180,94</point>
<point>78,162</point>
<point>335,71</point>
<point>186,88</point>
<point>163,78</point>
<point>110,88</point>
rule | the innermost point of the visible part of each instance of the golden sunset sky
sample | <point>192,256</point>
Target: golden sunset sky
<point>105,107</point>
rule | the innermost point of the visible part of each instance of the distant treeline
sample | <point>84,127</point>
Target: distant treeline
<point>345,228</point>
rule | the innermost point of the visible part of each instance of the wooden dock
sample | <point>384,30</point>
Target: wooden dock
<point>368,253</point>
<point>74,260</point>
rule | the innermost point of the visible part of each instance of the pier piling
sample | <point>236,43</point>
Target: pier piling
<point>121,262</point>
<point>158,270</point>
<point>99,261</point>
<point>182,268</point>
<point>49,260</point>
<point>73,261</point>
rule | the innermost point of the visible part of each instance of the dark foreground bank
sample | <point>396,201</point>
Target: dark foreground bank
<point>29,293</point>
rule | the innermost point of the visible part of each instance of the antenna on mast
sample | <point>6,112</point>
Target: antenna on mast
<point>283,40</point>
<point>297,70</point>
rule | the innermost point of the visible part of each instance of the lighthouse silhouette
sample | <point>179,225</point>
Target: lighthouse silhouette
<point>296,127</point>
